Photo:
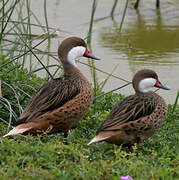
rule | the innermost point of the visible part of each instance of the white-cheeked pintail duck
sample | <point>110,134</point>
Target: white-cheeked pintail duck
<point>61,102</point>
<point>136,117</point>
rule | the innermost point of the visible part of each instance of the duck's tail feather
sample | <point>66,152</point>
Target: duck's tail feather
<point>17,130</point>
<point>97,139</point>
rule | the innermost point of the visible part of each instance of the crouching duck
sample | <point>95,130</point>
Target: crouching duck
<point>136,117</point>
<point>59,103</point>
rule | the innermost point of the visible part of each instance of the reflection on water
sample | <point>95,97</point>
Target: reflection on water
<point>155,42</point>
<point>149,39</point>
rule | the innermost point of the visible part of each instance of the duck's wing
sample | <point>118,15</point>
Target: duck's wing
<point>129,109</point>
<point>51,95</point>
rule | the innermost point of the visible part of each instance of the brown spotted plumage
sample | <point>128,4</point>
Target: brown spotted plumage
<point>136,117</point>
<point>61,102</point>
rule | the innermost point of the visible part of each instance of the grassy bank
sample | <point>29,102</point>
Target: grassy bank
<point>53,157</point>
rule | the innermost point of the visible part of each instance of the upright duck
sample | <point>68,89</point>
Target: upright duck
<point>136,117</point>
<point>61,102</point>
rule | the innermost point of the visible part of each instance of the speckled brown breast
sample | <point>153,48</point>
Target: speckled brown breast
<point>64,118</point>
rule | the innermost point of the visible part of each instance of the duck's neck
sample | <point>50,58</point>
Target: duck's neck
<point>72,71</point>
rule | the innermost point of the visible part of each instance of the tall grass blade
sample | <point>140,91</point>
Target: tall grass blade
<point>113,8</point>
<point>32,24</point>
<point>8,106</point>
<point>35,55</point>
<point>2,24</point>
<point>46,22</point>
<point>16,96</point>
<point>91,21</point>
<point>123,16</point>
<point>29,32</point>
<point>105,72</point>
<point>176,102</point>
<point>40,69</point>
<point>108,77</point>
<point>21,55</point>
<point>0,88</point>
<point>114,90</point>
<point>91,62</point>
<point>5,122</point>
<point>3,29</point>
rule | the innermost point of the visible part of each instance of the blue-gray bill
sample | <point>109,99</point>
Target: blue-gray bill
<point>89,55</point>
<point>164,87</point>
<point>160,85</point>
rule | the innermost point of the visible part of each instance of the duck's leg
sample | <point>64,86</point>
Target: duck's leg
<point>66,134</point>
<point>158,4</point>
<point>137,4</point>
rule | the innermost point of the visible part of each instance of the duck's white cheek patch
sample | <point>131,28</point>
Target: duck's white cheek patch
<point>146,83</point>
<point>75,53</point>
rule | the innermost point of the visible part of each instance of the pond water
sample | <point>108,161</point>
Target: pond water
<point>153,37</point>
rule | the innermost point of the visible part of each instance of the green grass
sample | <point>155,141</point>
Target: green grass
<point>53,157</point>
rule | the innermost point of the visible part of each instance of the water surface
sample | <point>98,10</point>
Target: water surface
<point>149,38</point>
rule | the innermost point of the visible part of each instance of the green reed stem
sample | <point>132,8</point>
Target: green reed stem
<point>0,88</point>
<point>15,95</point>
<point>29,32</point>
<point>5,122</point>
<point>91,62</point>
<point>4,27</point>
<point>37,20</point>
<point>34,55</point>
<point>108,77</point>
<point>22,27</point>
<point>105,72</point>
<point>9,9</point>
<point>39,69</point>
<point>113,8</point>
<point>8,106</point>
<point>91,21</point>
<point>123,16</point>
<point>12,27</point>
<point>46,22</point>
<point>38,51</point>
<point>176,102</point>
<point>36,25</point>
<point>3,6</point>
<point>114,90</point>
<point>17,57</point>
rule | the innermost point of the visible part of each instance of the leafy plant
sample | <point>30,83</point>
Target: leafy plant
<point>18,85</point>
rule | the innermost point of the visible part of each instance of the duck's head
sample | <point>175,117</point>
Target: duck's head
<point>145,79</point>
<point>73,48</point>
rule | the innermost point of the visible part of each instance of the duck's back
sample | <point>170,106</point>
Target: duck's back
<point>134,118</point>
<point>59,103</point>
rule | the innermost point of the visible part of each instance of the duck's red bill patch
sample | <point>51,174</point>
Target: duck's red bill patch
<point>88,54</point>
<point>158,84</point>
